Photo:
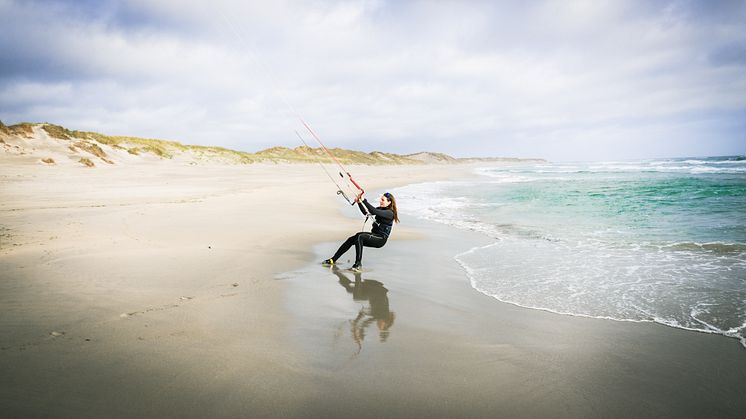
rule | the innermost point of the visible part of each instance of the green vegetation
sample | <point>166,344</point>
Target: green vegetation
<point>56,131</point>
<point>91,148</point>
<point>432,157</point>
<point>237,156</point>
<point>305,154</point>
<point>158,147</point>
<point>167,149</point>
<point>158,150</point>
<point>23,129</point>
<point>84,140</point>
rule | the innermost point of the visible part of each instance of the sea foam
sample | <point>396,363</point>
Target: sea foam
<point>649,241</point>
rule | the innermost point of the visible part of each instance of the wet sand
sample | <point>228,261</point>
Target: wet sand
<point>195,292</point>
<point>454,352</point>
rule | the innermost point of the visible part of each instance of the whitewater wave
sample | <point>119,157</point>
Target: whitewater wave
<point>626,244</point>
<point>725,165</point>
<point>625,307</point>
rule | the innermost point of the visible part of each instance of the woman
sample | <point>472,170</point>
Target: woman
<point>385,215</point>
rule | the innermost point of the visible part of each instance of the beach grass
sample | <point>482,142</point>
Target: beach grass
<point>24,129</point>
<point>91,148</point>
<point>168,149</point>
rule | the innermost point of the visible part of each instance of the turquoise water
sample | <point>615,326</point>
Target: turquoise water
<point>657,240</point>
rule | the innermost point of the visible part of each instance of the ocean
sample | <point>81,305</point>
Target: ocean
<point>660,240</point>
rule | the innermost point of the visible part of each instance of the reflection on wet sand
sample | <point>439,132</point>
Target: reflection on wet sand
<point>377,311</point>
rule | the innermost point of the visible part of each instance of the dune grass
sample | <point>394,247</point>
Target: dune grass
<point>56,131</point>
<point>161,148</point>
<point>23,129</point>
<point>237,156</point>
<point>91,148</point>
<point>166,149</point>
<point>304,154</point>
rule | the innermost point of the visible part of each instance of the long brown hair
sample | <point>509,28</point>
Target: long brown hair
<point>392,205</point>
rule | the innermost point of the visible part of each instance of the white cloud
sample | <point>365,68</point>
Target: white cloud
<point>459,77</point>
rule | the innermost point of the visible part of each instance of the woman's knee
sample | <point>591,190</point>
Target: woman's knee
<point>363,239</point>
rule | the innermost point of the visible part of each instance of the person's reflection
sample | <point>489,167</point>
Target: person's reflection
<point>375,293</point>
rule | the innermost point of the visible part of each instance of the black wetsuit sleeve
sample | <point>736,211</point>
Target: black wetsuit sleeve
<point>362,208</point>
<point>379,212</point>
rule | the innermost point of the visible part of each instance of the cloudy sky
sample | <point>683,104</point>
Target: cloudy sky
<point>564,80</point>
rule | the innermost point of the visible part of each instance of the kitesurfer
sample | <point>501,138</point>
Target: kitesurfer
<point>385,216</point>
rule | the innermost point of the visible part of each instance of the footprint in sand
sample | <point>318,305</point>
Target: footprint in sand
<point>182,299</point>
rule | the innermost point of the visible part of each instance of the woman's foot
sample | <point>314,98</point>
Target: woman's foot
<point>357,268</point>
<point>327,262</point>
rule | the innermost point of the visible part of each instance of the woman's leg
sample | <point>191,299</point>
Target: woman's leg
<point>366,239</point>
<point>345,247</point>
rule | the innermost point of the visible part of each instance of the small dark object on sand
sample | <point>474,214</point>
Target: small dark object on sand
<point>209,247</point>
<point>235,284</point>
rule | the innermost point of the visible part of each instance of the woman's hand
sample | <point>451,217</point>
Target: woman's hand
<point>360,197</point>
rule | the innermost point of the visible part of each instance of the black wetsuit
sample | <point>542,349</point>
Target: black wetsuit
<point>377,236</point>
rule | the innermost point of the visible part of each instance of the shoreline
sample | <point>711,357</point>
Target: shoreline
<point>447,332</point>
<point>588,316</point>
<point>469,280</point>
<point>445,200</point>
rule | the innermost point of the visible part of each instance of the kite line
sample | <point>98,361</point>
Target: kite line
<point>343,173</point>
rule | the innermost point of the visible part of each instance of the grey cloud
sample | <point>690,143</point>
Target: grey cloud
<point>476,77</point>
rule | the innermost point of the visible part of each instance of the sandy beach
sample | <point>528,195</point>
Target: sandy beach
<point>569,181</point>
<point>195,291</point>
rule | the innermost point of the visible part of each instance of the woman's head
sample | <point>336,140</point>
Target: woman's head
<point>388,201</point>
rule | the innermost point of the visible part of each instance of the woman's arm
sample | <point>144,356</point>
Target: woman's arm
<point>385,213</point>
<point>362,208</point>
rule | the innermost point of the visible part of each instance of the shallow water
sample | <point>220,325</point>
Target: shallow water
<point>656,240</point>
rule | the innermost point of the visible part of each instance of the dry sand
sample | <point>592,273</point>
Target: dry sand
<point>152,290</point>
